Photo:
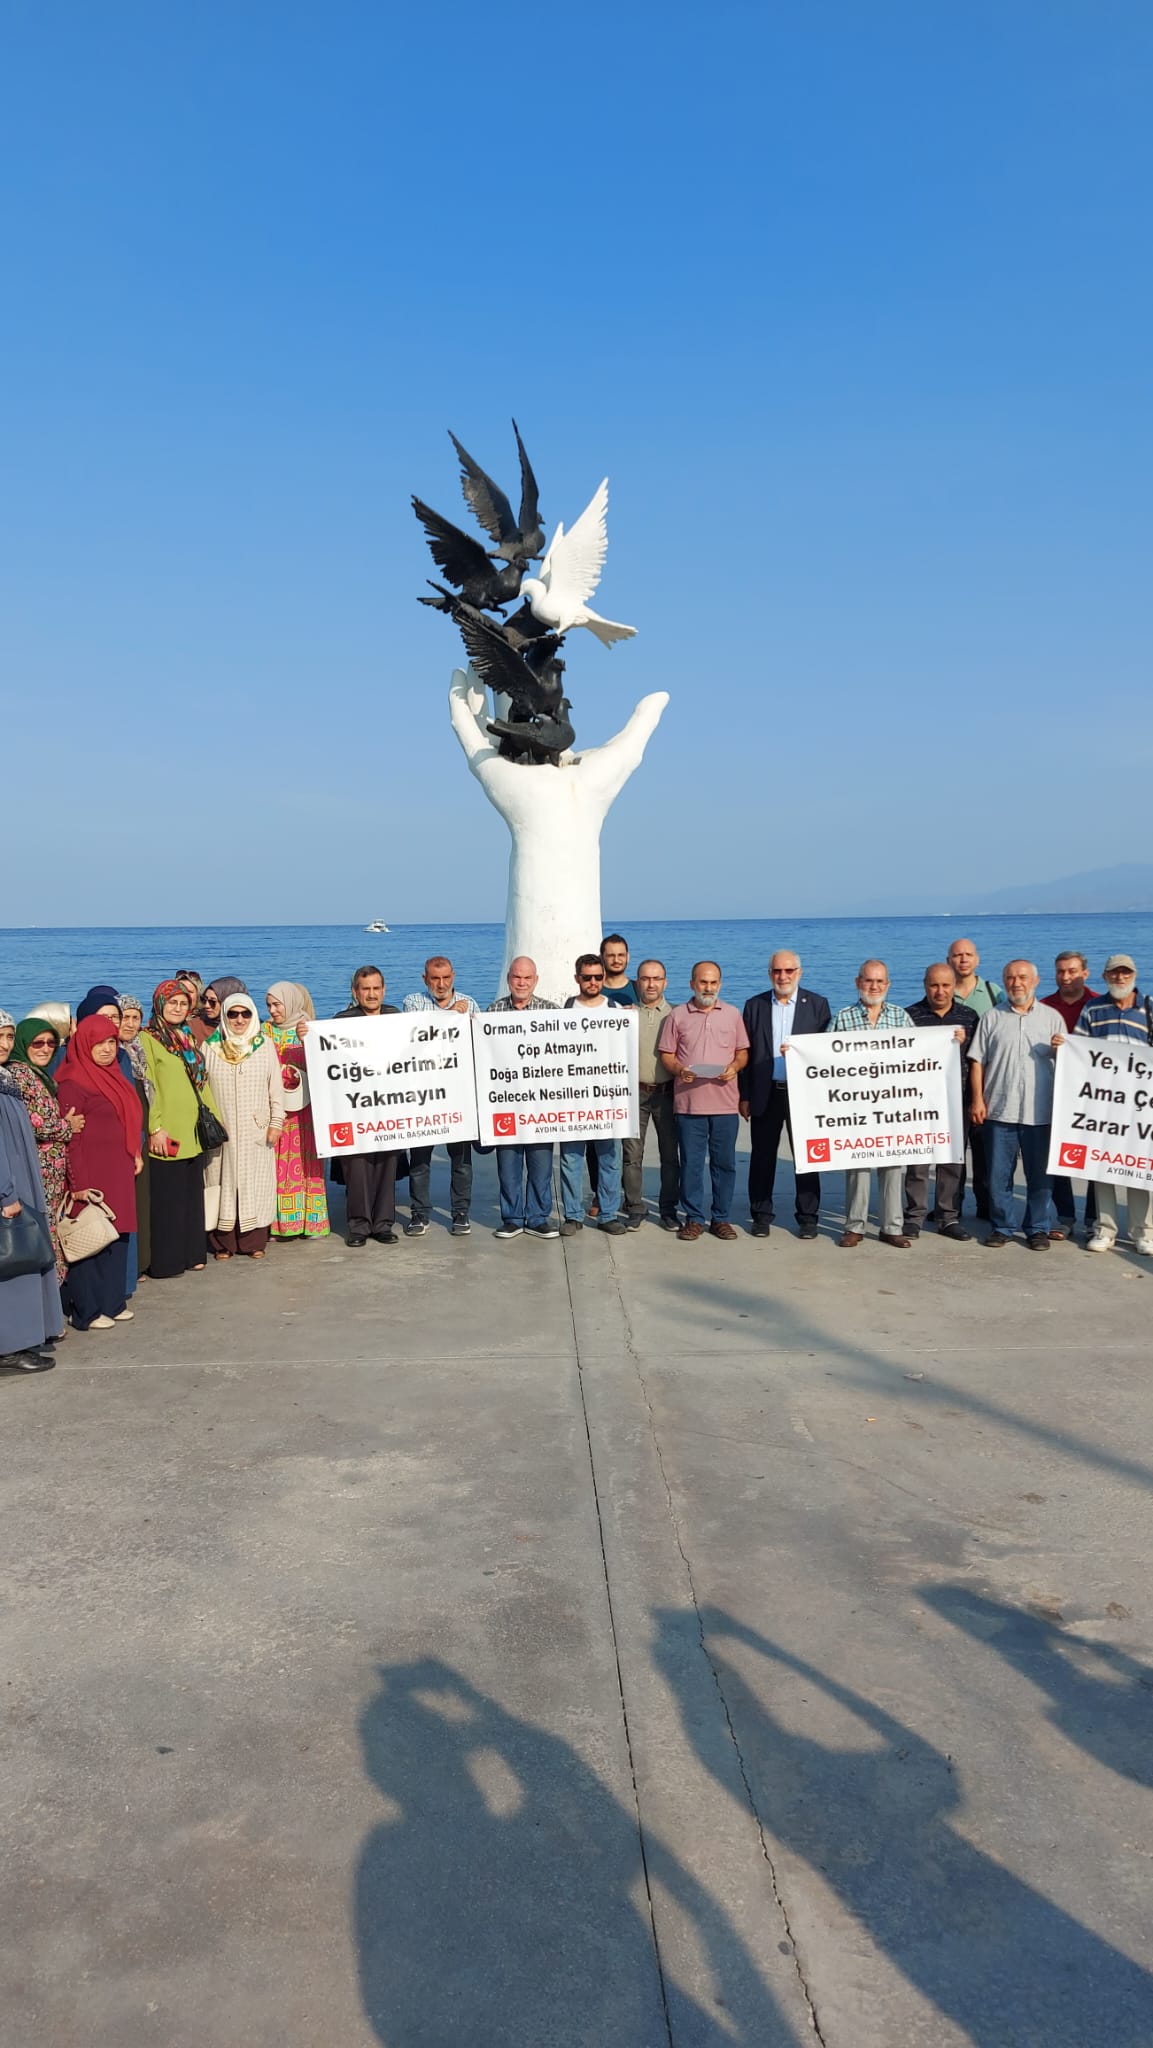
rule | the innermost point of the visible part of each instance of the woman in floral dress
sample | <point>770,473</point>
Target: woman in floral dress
<point>301,1202</point>
<point>33,1052</point>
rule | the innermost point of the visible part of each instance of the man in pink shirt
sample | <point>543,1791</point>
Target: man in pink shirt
<point>704,1046</point>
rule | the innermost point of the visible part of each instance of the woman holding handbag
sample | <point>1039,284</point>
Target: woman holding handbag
<point>30,1314</point>
<point>240,1184</point>
<point>104,1156</point>
<point>175,1069</point>
<point>30,1066</point>
<point>301,1202</point>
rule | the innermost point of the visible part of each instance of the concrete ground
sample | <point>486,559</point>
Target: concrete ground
<point>614,1642</point>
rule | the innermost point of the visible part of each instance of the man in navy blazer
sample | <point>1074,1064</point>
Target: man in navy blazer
<point>771,1020</point>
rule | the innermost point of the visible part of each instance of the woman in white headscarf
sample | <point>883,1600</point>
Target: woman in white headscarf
<point>240,1182</point>
<point>301,1202</point>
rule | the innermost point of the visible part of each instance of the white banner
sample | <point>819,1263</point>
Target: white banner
<point>875,1098</point>
<point>543,1075</point>
<point>1103,1111</point>
<point>379,1084</point>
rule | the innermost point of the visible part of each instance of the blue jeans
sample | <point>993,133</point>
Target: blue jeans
<point>716,1138</point>
<point>1002,1143</point>
<point>515,1163</point>
<point>572,1170</point>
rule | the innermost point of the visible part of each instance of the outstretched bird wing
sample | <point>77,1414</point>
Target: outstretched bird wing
<point>575,559</point>
<point>531,532</point>
<point>495,662</point>
<point>457,553</point>
<point>485,498</point>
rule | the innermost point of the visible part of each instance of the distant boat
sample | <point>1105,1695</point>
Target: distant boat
<point>377,925</point>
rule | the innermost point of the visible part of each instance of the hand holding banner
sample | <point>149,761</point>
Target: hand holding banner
<point>379,1084</point>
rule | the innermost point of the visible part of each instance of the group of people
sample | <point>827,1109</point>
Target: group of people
<point>191,1131</point>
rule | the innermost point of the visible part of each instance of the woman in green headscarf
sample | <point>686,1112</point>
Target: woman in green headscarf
<point>33,1052</point>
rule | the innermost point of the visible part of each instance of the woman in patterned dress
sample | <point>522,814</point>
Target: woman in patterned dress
<point>301,1202</point>
<point>34,1049</point>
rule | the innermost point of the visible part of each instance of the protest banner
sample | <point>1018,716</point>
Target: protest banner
<point>543,1075</point>
<point>1103,1111</point>
<point>379,1084</point>
<point>859,1099</point>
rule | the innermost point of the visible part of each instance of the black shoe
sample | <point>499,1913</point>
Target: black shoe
<point>570,1226</point>
<point>542,1230</point>
<point>355,1243</point>
<point>996,1240</point>
<point>28,1361</point>
<point>634,1222</point>
<point>912,1230</point>
<point>386,1236</point>
<point>808,1230</point>
<point>416,1226</point>
<point>615,1226</point>
<point>1039,1242</point>
<point>669,1222</point>
<point>760,1227</point>
<point>461,1227</point>
<point>956,1231</point>
<point>509,1230</point>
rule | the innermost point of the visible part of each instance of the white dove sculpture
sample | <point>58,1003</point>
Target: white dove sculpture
<point>569,574</point>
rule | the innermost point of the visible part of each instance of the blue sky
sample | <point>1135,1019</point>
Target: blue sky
<point>852,304</point>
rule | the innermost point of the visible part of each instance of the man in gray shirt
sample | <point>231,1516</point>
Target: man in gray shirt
<point>656,1107</point>
<point>1011,1064</point>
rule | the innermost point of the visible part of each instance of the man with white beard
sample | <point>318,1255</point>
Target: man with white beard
<point>1011,1064</point>
<point>704,1046</point>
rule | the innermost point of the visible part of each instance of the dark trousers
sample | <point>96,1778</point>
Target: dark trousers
<point>979,1147</point>
<point>370,1190</point>
<point>179,1239</point>
<point>713,1138</point>
<point>98,1286</point>
<point>1065,1201</point>
<point>656,1108</point>
<point>419,1168</point>
<point>237,1242</point>
<point>765,1135</point>
<point>947,1205</point>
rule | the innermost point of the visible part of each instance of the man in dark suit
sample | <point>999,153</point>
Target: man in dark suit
<point>771,1020</point>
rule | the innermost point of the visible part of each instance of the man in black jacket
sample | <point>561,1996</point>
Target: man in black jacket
<point>771,1020</point>
<point>940,1006</point>
<point>370,1177</point>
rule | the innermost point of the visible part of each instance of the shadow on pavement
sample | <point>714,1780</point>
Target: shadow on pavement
<point>874,1822</point>
<point>1102,1699</point>
<point>502,1902</point>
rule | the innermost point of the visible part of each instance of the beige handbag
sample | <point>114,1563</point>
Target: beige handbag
<point>88,1231</point>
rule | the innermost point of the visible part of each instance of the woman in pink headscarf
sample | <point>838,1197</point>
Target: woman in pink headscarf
<point>301,1202</point>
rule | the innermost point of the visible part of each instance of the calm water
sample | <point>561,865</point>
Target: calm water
<point>37,964</point>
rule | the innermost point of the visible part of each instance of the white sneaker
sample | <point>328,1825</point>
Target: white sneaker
<point>126,1315</point>
<point>1099,1242</point>
<point>1144,1244</point>
<point>102,1323</point>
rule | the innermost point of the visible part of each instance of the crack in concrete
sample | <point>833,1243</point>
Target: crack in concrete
<point>651,1909</point>
<point>674,1523</point>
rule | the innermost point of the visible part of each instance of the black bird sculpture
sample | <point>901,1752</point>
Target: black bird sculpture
<point>464,561</point>
<point>530,691</point>
<point>517,541</point>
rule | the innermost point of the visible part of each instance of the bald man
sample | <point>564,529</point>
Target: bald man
<point>524,1172</point>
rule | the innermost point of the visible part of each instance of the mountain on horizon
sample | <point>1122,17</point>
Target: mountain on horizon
<point>1128,887</point>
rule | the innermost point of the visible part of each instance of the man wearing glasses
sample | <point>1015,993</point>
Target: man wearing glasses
<point>1123,1013</point>
<point>771,1020</point>
<point>590,980</point>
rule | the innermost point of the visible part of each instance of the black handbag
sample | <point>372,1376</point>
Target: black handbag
<point>25,1245</point>
<point>210,1132</point>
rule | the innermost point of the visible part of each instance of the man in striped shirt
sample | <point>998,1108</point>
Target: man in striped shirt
<point>872,1013</point>
<point>1123,1013</point>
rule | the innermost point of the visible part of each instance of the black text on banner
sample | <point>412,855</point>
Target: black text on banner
<point>543,1075</point>
<point>379,1084</point>
<point>875,1098</point>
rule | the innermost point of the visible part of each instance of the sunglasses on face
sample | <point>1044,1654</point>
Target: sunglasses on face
<point>239,1016</point>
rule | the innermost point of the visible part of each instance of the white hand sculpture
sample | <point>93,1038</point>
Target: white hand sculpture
<point>555,817</point>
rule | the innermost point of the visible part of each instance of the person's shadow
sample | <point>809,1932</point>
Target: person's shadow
<point>502,1902</point>
<point>1102,1699</point>
<point>1001,1962</point>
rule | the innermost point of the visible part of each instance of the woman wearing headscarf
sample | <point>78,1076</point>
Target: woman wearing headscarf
<point>176,1070</point>
<point>244,1068</point>
<point>34,1049</point>
<point>7,1036</point>
<point>60,1017</point>
<point>105,1154</point>
<point>205,1020</point>
<point>131,1050</point>
<point>103,1001</point>
<point>301,1202</point>
<point>30,1313</point>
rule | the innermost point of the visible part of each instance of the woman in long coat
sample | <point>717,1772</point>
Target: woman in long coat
<point>240,1185</point>
<point>301,1202</point>
<point>104,1155</point>
<point>30,1313</point>
<point>33,1052</point>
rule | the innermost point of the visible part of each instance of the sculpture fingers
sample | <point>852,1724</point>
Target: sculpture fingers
<point>466,702</point>
<point>612,764</point>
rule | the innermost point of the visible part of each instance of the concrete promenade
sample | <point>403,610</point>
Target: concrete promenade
<point>600,1644</point>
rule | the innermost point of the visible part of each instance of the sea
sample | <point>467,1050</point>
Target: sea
<point>38,964</point>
